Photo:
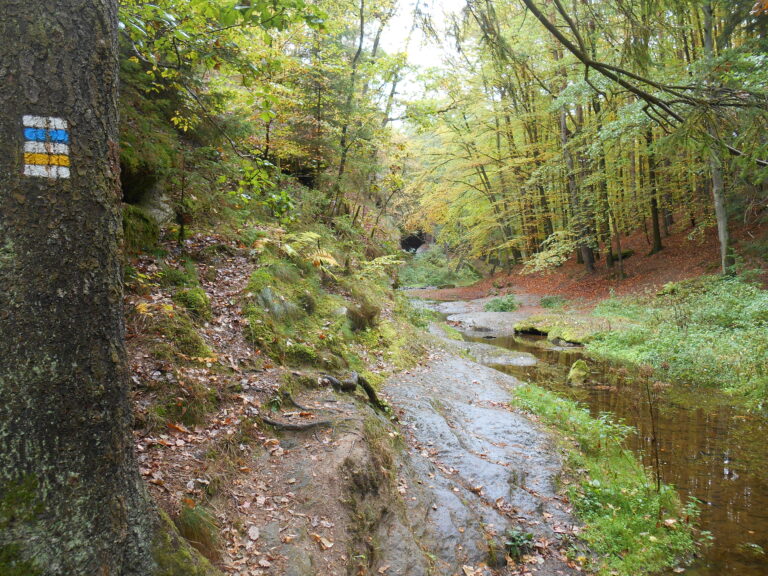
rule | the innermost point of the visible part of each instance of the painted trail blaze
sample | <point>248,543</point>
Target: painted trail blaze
<point>46,147</point>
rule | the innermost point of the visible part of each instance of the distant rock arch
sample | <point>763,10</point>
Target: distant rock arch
<point>412,241</point>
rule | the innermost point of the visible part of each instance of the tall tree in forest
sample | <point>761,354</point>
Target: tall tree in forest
<point>71,499</point>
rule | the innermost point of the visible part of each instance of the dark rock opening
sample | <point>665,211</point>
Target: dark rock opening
<point>412,242</point>
<point>137,184</point>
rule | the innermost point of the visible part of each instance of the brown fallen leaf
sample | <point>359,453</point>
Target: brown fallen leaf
<point>178,428</point>
<point>325,544</point>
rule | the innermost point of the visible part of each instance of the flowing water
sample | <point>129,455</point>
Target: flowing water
<point>708,449</point>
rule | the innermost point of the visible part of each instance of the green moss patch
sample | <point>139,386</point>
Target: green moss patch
<point>19,503</point>
<point>178,335</point>
<point>12,562</point>
<point>175,556</point>
<point>196,301</point>
<point>140,230</point>
<point>573,327</point>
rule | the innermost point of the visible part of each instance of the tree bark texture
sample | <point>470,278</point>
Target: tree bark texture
<point>71,499</point>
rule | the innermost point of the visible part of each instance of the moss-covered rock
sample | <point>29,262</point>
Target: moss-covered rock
<point>578,374</point>
<point>572,328</point>
<point>140,230</point>
<point>178,330</point>
<point>299,353</point>
<point>196,301</point>
<point>175,556</point>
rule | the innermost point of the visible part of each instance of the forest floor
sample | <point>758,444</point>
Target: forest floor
<point>351,492</point>
<point>683,257</point>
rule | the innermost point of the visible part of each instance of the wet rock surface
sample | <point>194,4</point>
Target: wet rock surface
<point>475,321</point>
<point>474,468</point>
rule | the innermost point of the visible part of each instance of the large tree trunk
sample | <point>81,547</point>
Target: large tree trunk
<point>71,499</point>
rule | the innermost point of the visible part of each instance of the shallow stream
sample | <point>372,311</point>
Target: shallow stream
<point>708,449</point>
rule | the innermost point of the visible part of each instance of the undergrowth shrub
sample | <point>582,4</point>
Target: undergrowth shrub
<point>506,303</point>
<point>433,268</point>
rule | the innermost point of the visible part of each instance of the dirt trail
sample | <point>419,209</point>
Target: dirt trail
<point>349,498</point>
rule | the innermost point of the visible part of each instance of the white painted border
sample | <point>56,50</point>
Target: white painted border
<point>45,122</point>
<point>46,171</point>
<point>46,148</point>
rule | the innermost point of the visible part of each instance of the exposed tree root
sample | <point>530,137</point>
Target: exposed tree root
<point>351,383</point>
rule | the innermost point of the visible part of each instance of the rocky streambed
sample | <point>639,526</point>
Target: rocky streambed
<point>709,449</point>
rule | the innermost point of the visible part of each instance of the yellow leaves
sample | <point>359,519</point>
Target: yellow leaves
<point>143,308</point>
<point>322,258</point>
<point>149,309</point>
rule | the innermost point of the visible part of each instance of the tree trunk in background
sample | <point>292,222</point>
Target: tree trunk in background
<point>584,252</point>
<point>71,499</point>
<point>653,192</point>
<point>718,188</point>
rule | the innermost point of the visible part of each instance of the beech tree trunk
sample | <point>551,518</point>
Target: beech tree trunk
<point>71,499</point>
<point>718,187</point>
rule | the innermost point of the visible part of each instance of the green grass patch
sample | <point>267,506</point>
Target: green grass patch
<point>711,331</point>
<point>631,528</point>
<point>552,302</point>
<point>506,303</point>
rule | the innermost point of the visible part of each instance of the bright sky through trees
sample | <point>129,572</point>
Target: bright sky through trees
<point>423,52</point>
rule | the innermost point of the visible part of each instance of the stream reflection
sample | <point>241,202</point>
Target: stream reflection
<point>709,449</point>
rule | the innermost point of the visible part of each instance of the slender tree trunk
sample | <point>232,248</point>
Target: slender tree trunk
<point>71,499</point>
<point>344,141</point>
<point>584,252</point>
<point>653,193</point>
<point>718,188</point>
<point>619,251</point>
